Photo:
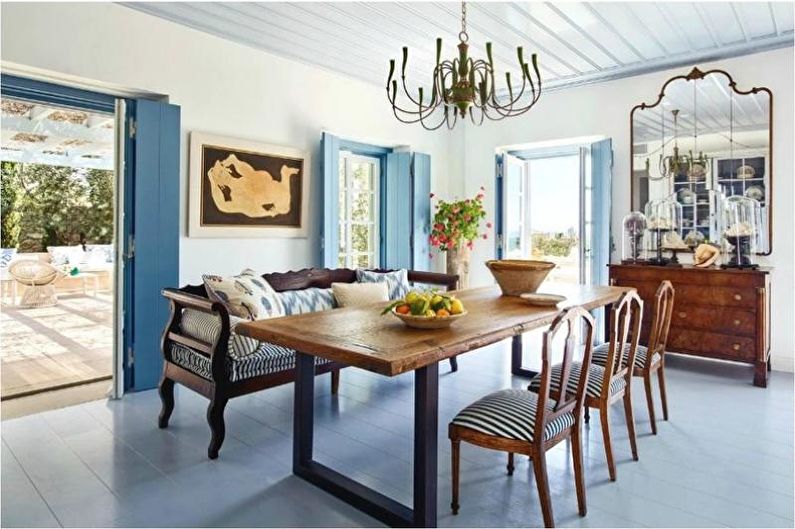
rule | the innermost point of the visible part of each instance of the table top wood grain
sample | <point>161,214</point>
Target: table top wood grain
<point>361,337</point>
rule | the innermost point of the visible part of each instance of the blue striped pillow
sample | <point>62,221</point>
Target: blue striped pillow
<point>397,282</point>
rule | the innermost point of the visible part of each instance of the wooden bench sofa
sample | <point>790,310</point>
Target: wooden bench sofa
<point>198,352</point>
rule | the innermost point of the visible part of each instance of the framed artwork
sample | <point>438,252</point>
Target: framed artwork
<point>241,188</point>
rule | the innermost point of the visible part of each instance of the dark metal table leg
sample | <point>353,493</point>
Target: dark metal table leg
<point>303,410</point>
<point>377,505</point>
<point>426,430</point>
<point>516,359</point>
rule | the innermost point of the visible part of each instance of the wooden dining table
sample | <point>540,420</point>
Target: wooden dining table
<point>361,337</point>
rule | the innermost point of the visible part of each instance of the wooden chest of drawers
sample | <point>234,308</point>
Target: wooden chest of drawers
<point>717,313</point>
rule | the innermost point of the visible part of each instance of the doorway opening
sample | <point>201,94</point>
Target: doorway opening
<point>554,205</point>
<point>59,260</point>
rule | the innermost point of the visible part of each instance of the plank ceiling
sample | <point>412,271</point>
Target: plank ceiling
<point>577,43</point>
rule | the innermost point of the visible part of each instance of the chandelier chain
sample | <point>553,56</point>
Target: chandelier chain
<point>463,35</point>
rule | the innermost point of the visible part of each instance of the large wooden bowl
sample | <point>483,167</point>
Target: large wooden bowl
<point>425,322</point>
<point>519,276</point>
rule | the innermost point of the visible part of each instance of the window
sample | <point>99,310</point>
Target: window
<point>358,211</point>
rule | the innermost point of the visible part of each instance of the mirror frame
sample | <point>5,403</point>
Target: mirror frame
<point>694,75</point>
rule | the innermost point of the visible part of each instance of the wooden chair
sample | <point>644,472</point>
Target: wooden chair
<point>611,382</point>
<point>523,422</point>
<point>651,359</point>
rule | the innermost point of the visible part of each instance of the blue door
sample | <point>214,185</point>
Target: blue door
<point>152,238</point>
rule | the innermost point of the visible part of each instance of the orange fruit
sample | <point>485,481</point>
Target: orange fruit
<point>403,309</point>
<point>442,313</point>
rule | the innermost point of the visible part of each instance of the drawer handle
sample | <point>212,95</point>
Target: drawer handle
<point>682,314</point>
<point>736,347</point>
<point>736,322</point>
<point>738,297</point>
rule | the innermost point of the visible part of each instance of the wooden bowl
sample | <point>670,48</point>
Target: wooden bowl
<point>425,322</point>
<point>519,276</point>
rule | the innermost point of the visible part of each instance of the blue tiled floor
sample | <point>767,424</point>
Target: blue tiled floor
<point>724,459</point>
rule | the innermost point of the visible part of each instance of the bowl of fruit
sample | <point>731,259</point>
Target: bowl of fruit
<point>427,309</point>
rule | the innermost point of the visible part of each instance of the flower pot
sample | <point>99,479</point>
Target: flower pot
<point>458,264</point>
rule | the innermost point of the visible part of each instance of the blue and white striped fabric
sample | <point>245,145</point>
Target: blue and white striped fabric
<point>6,256</point>
<point>397,281</point>
<point>596,375</point>
<point>510,414</point>
<point>307,300</point>
<point>600,355</point>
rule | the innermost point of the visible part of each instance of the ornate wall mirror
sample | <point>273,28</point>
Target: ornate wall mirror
<point>703,137</point>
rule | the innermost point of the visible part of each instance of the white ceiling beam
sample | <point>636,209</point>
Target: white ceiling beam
<point>739,22</point>
<point>704,22</point>
<point>673,26</point>
<point>773,18</point>
<point>533,20</point>
<point>615,32</point>
<point>646,29</point>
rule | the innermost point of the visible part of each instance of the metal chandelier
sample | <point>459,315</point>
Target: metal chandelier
<point>464,86</point>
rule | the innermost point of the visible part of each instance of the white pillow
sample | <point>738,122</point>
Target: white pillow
<point>353,294</point>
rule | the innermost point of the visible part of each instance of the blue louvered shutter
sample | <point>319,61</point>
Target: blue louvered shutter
<point>397,214</point>
<point>421,211</point>
<point>601,188</point>
<point>330,169</point>
<point>156,211</point>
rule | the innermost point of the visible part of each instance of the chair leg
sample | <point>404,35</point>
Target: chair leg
<point>630,425</point>
<point>605,419</point>
<point>335,381</point>
<point>540,470</point>
<point>456,457</point>
<point>587,415</point>
<point>663,397</point>
<point>510,463</point>
<point>166,390</point>
<point>579,475</point>
<point>454,364</point>
<point>650,402</point>
<point>215,418</point>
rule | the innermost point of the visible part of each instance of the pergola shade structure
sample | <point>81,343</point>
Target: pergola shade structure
<point>51,135</point>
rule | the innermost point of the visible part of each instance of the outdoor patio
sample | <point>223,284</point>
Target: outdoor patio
<point>58,346</point>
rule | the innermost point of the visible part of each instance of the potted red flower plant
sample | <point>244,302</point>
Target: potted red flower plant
<point>455,227</point>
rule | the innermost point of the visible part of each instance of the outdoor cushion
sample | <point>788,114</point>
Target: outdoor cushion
<point>245,295</point>
<point>397,281</point>
<point>600,354</point>
<point>306,300</point>
<point>352,294</point>
<point>99,253</point>
<point>63,255</point>
<point>596,375</point>
<point>6,256</point>
<point>510,414</point>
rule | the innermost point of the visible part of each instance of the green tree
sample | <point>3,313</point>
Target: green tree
<point>10,192</point>
<point>56,206</point>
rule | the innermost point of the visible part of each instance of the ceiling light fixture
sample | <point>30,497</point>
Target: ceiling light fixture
<point>464,86</point>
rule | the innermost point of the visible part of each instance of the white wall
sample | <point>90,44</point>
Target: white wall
<point>223,88</point>
<point>603,109</point>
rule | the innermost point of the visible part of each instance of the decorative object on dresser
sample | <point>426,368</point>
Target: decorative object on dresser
<point>611,380</point>
<point>727,154</point>
<point>530,423</point>
<point>650,359</point>
<point>741,222</point>
<point>723,314</point>
<point>202,350</point>
<point>455,227</point>
<point>663,218</point>
<point>243,188</point>
<point>634,224</point>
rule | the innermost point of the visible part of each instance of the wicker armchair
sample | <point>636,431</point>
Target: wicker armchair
<point>39,278</point>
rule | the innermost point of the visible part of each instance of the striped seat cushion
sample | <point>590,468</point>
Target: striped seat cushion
<point>267,359</point>
<point>600,354</point>
<point>596,376</point>
<point>510,414</point>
